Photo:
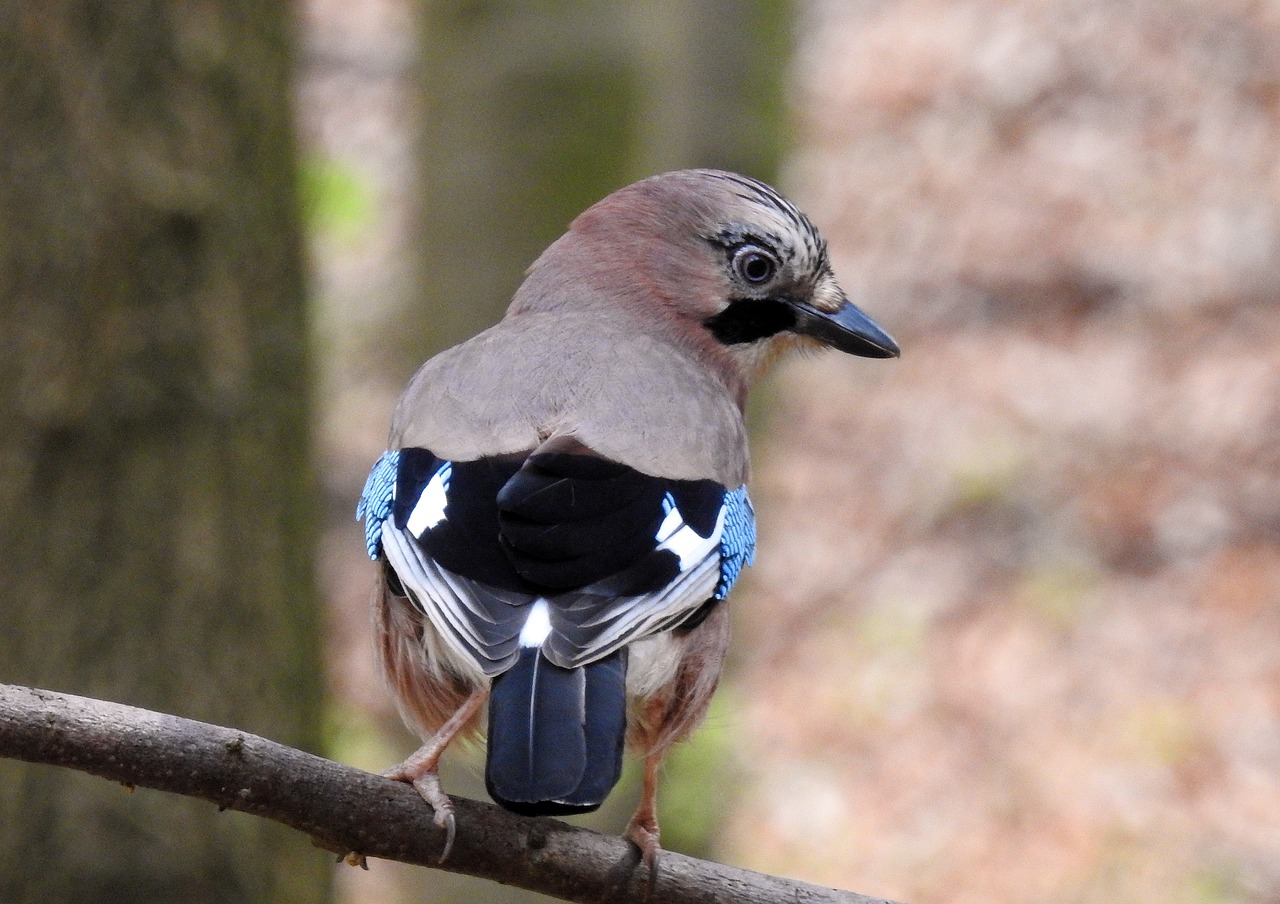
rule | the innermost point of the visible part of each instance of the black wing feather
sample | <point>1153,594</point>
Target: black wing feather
<point>568,520</point>
<point>561,523</point>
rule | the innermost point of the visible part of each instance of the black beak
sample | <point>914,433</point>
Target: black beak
<point>846,329</point>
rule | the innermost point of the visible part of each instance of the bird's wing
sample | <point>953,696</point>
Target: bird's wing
<point>624,554</point>
<point>435,522</point>
<point>563,549</point>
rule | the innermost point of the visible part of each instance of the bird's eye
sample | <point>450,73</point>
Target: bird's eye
<point>754,265</point>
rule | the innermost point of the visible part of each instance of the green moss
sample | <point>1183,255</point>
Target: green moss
<point>336,199</point>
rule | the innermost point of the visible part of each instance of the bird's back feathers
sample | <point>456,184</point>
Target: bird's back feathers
<point>631,398</point>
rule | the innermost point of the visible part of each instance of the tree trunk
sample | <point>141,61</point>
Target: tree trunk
<point>537,110</point>
<point>154,470</point>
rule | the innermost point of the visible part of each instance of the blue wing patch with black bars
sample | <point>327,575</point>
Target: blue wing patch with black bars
<point>737,539</point>
<point>377,499</point>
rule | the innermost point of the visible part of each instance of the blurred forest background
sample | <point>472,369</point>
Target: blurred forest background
<point>1013,634</point>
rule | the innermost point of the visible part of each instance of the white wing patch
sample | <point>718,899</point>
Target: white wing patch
<point>537,626</point>
<point>429,510</point>
<point>675,536</point>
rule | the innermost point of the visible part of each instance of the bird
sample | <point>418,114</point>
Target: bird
<point>562,509</point>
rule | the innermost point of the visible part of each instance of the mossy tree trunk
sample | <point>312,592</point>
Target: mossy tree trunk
<point>155,483</point>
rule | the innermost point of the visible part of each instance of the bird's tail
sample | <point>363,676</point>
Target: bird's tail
<point>556,735</point>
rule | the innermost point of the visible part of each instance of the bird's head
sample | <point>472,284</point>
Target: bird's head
<point>717,261</point>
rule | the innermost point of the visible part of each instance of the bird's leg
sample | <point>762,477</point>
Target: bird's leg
<point>421,769</point>
<point>642,831</point>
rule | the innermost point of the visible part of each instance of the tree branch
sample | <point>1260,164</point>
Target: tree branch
<point>345,809</point>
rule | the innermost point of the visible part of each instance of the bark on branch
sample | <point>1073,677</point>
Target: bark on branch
<point>345,809</point>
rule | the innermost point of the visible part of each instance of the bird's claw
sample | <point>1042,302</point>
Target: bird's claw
<point>644,835</point>
<point>421,769</point>
<point>444,819</point>
<point>428,787</point>
<point>421,774</point>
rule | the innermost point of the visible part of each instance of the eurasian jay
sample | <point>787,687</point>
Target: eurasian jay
<point>563,508</point>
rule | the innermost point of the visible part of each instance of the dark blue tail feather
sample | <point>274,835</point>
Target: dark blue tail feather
<point>556,735</point>
<point>605,729</point>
